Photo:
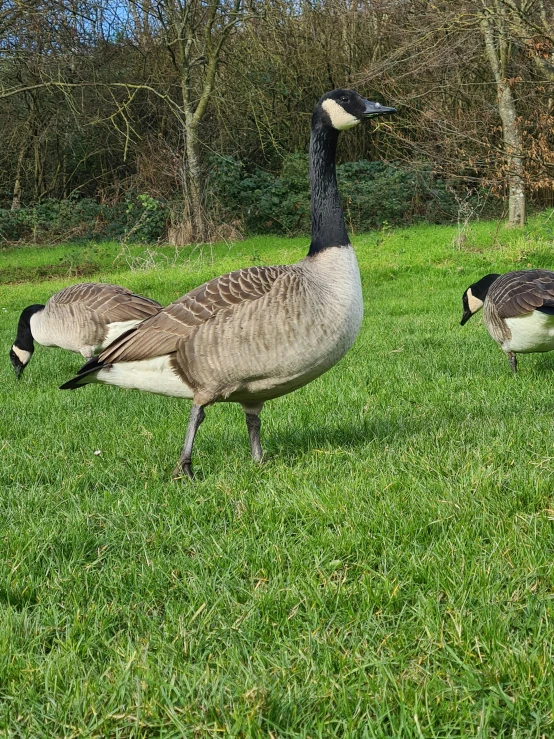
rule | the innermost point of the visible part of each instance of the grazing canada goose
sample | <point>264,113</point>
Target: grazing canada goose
<point>257,333</point>
<point>518,309</point>
<point>82,318</point>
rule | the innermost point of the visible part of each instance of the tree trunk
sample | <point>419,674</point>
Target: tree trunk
<point>497,53</point>
<point>192,175</point>
<point>192,226</point>
<point>17,189</point>
<point>514,153</point>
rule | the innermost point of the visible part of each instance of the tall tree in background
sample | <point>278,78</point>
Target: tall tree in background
<point>194,34</point>
<point>455,63</point>
<point>499,48</point>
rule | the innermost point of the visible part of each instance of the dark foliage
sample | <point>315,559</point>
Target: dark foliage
<point>136,216</point>
<point>372,193</point>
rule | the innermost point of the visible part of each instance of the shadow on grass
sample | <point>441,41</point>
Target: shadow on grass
<point>544,363</point>
<point>292,444</point>
<point>18,600</point>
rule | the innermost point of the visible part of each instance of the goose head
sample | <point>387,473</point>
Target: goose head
<point>23,346</point>
<point>19,358</point>
<point>474,296</point>
<point>343,109</point>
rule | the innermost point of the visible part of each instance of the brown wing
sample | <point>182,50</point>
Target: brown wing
<point>160,334</point>
<point>111,302</point>
<point>516,293</point>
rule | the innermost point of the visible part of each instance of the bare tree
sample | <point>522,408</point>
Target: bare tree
<point>194,34</point>
<point>499,50</point>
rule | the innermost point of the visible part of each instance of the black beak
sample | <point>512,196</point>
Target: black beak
<point>372,110</point>
<point>18,367</point>
<point>465,318</point>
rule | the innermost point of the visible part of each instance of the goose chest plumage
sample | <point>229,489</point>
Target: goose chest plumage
<point>82,318</point>
<point>518,310</point>
<point>261,332</point>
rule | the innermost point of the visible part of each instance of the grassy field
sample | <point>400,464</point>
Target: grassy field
<point>388,572</point>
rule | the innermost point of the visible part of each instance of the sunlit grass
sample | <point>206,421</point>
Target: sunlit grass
<point>387,573</point>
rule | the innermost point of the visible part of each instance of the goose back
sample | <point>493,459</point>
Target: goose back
<point>89,315</point>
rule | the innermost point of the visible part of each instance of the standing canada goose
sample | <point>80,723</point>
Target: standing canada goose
<point>518,309</point>
<point>82,318</point>
<point>257,333</point>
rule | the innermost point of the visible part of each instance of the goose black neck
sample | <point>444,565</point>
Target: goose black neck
<point>328,227</point>
<point>24,338</point>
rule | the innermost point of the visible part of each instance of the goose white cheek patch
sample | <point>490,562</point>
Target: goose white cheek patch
<point>340,118</point>
<point>21,354</point>
<point>474,303</point>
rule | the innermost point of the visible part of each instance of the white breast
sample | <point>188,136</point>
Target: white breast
<point>532,332</point>
<point>332,318</point>
<point>339,306</point>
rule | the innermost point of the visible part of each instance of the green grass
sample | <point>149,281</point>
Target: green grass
<point>387,573</point>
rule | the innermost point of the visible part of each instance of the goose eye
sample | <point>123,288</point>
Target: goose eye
<point>344,99</point>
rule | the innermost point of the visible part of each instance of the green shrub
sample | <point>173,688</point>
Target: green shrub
<point>139,216</point>
<point>371,193</point>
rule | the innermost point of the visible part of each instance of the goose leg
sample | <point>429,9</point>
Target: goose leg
<point>512,359</point>
<point>184,465</point>
<point>253,424</point>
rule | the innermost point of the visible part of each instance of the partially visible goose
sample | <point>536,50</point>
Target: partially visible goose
<point>261,332</point>
<point>518,310</point>
<point>83,318</point>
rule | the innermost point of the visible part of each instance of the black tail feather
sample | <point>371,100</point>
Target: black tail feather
<point>547,308</point>
<point>92,366</point>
